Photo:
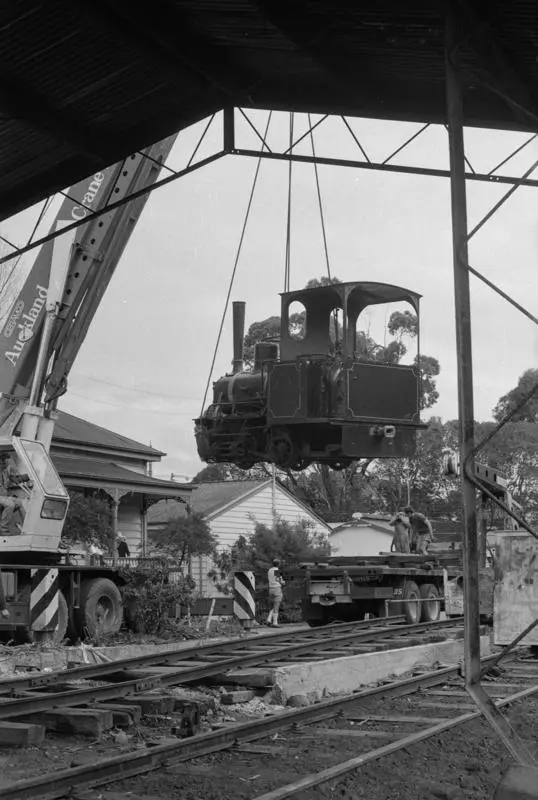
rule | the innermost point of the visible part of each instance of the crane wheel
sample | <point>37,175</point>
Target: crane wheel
<point>101,608</point>
<point>54,638</point>
<point>410,602</point>
<point>431,604</point>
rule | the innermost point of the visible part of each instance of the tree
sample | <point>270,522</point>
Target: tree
<point>88,521</point>
<point>508,402</point>
<point>289,542</point>
<point>419,480</point>
<point>184,537</point>
<point>215,473</point>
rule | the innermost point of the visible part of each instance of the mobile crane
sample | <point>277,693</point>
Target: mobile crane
<point>39,341</point>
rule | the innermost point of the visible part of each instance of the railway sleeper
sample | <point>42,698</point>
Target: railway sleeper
<point>91,722</point>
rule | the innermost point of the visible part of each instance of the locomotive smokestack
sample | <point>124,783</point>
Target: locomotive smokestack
<point>238,334</point>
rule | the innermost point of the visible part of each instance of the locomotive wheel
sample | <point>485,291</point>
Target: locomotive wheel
<point>283,450</point>
<point>338,466</point>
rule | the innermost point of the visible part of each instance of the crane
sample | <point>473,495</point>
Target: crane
<point>40,339</point>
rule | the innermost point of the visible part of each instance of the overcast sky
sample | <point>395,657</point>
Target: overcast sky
<point>143,367</point>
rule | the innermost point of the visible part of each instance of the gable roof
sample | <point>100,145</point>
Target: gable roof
<point>73,430</point>
<point>210,499</point>
<point>207,499</point>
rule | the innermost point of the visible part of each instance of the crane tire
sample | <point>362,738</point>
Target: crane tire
<point>410,604</point>
<point>54,638</point>
<point>63,620</point>
<point>101,608</point>
<point>431,605</point>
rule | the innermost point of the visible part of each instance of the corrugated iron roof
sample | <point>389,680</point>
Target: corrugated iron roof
<point>85,84</point>
<point>97,473</point>
<point>73,430</point>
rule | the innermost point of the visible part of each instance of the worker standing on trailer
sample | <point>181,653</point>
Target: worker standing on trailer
<point>276,582</point>
<point>400,540</point>
<point>421,531</point>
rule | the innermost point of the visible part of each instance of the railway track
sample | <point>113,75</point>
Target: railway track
<point>356,722</point>
<point>30,695</point>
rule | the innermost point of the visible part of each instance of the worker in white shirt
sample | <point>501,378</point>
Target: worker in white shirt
<point>276,583</point>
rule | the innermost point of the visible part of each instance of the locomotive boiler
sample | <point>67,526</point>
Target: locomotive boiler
<point>314,397</point>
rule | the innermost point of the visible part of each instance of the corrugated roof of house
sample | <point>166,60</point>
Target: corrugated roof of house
<point>206,499</point>
<point>73,430</point>
<point>97,472</point>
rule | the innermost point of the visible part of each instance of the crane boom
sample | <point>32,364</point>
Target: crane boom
<point>98,246</point>
<point>44,331</point>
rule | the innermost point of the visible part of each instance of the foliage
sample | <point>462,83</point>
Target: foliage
<point>149,594</point>
<point>184,536</point>
<point>291,543</point>
<point>213,473</point>
<point>506,404</point>
<point>288,542</point>
<point>88,521</point>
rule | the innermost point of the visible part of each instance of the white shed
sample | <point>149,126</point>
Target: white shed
<point>367,536</point>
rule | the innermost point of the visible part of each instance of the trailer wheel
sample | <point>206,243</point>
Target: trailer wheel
<point>410,602</point>
<point>431,605</point>
<point>101,608</point>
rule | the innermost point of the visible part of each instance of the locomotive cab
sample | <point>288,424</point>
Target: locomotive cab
<point>320,396</point>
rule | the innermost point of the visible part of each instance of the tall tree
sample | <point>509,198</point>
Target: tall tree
<point>214,473</point>
<point>508,402</point>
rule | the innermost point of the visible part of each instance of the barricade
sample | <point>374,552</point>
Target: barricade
<point>244,604</point>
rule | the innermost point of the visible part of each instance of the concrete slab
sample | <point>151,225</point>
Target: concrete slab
<point>28,658</point>
<point>346,674</point>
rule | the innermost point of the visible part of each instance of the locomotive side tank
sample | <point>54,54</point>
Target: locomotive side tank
<point>316,397</point>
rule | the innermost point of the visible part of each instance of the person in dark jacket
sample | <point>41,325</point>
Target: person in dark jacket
<point>123,547</point>
<point>421,531</point>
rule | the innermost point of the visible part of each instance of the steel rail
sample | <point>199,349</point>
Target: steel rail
<point>58,784</point>
<point>75,697</point>
<point>336,771</point>
<point>96,671</point>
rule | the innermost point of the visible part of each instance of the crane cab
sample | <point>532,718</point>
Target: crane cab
<point>33,500</point>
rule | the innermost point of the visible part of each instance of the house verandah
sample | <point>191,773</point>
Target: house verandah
<point>94,460</point>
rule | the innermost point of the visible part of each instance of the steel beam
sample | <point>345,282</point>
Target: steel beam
<point>404,169</point>
<point>472,666</point>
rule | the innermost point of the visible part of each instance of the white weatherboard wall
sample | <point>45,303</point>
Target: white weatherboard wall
<point>240,519</point>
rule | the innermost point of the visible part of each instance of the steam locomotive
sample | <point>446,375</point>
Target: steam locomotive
<point>313,397</point>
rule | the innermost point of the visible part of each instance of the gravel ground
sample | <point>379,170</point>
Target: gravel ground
<point>466,762</point>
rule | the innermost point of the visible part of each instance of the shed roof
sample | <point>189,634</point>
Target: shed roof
<point>73,430</point>
<point>85,84</point>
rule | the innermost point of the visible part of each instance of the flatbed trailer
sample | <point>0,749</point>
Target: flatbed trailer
<point>345,589</point>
